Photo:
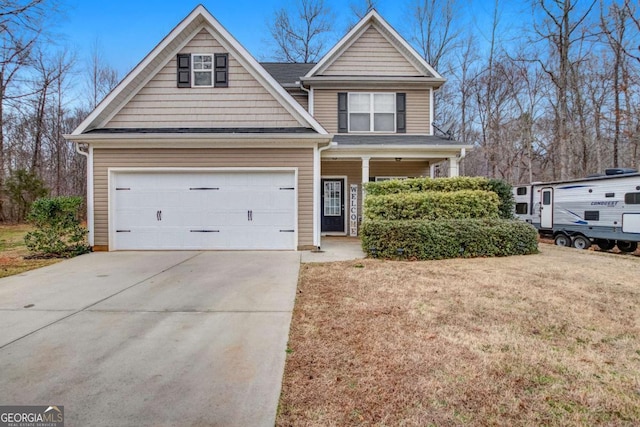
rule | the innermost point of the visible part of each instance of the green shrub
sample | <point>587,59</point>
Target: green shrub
<point>432,205</point>
<point>421,185</point>
<point>57,227</point>
<point>23,187</point>
<point>467,238</point>
<point>504,190</point>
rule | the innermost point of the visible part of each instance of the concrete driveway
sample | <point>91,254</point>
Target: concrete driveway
<point>150,338</point>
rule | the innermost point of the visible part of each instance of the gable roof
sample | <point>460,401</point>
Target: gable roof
<point>198,19</point>
<point>374,19</point>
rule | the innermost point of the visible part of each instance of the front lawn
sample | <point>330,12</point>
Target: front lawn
<point>547,339</point>
<point>13,251</point>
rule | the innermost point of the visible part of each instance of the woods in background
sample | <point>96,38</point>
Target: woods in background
<point>553,95</point>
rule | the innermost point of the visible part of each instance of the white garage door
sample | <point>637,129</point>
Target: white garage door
<point>203,210</point>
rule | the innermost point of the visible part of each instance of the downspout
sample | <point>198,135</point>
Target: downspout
<point>317,164</point>
<point>309,96</point>
<point>89,156</point>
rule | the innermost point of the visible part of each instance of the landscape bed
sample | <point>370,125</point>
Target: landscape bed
<point>547,339</point>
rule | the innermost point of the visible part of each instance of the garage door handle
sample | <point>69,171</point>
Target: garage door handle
<point>159,215</point>
<point>287,231</point>
<point>249,215</point>
<point>204,231</point>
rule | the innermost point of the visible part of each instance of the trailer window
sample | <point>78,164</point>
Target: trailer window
<point>632,198</point>
<point>521,191</point>
<point>546,198</point>
<point>522,208</point>
<point>592,215</point>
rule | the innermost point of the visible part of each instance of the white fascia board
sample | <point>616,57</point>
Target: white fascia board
<point>394,151</point>
<point>320,81</point>
<point>168,140</point>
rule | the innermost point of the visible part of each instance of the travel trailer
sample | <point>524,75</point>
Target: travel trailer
<point>601,209</point>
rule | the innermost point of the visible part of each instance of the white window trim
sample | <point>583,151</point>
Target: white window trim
<point>372,113</point>
<point>193,69</point>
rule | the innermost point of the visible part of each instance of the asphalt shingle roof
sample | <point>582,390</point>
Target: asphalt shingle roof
<point>286,72</point>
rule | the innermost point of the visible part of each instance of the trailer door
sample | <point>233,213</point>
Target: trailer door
<point>546,208</point>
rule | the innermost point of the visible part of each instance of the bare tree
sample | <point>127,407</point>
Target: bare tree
<point>21,25</point>
<point>560,29</point>
<point>631,9</point>
<point>101,77</point>
<point>433,29</point>
<point>301,34</point>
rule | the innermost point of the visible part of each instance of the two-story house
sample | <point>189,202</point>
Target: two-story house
<point>203,147</point>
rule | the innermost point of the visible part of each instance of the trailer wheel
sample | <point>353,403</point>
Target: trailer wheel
<point>562,240</point>
<point>581,242</point>
<point>627,247</point>
<point>605,244</point>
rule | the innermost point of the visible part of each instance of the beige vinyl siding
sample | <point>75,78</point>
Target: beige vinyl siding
<point>203,158</point>
<point>418,117</point>
<point>245,103</point>
<point>371,55</point>
<point>301,97</point>
<point>353,171</point>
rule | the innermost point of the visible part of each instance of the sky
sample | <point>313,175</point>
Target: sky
<point>126,31</point>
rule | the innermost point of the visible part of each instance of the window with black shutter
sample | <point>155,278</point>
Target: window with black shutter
<point>343,113</point>
<point>401,112</point>
<point>184,70</point>
<point>221,70</point>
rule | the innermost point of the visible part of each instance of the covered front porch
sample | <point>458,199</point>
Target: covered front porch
<point>344,167</point>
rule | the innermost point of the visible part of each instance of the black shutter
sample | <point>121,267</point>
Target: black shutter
<point>401,112</point>
<point>221,70</point>
<point>343,113</point>
<point>184,70</point>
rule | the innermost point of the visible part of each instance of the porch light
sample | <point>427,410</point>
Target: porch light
<point>398,159</point>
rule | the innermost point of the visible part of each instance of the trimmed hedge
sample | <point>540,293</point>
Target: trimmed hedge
<point>432,205</point>
<point>421,185</point>
<point>466,238</point>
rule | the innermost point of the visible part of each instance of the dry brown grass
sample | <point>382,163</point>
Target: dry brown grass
<point>13,251</point>
<point>548,339</point>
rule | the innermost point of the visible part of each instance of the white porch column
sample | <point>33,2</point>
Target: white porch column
<point>432,170</point>
<point>365,177</point>
<point>453,166</point>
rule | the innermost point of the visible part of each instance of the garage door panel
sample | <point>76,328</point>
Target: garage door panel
<point>204,210</point>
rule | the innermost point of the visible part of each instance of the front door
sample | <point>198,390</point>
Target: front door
<point>332,205</point>
<point>546,208</point>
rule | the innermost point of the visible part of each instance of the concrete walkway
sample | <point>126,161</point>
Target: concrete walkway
<point>150,338</point>
<point>335,249</point>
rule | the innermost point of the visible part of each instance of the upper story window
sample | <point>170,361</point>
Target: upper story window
<point>203,70</point>
<point>372,112</point>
